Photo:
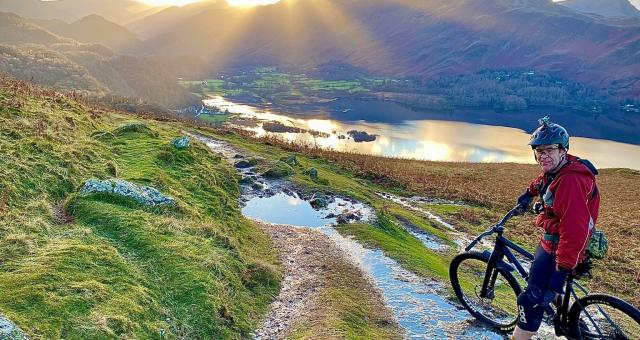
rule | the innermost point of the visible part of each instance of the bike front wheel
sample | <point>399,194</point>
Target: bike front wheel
<point>601,316</point>
<point>498,308</point>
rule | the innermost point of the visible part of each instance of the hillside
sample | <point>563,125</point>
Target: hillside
<point>33,53</point>
<point>119,11</point>
<point>77,266</point>
<point>606,8</point>
<point>14,29</point>
<point>94,29</point>
<point>425,39</point>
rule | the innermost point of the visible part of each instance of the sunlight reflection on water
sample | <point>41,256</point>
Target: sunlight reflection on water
<point>432,139</point>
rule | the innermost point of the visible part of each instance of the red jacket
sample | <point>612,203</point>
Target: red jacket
<point>571,204</point>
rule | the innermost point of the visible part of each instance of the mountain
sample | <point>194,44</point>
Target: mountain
<point>94,29</point>
<point>14,29</point>
<point>414,38</point>
<point>33,53</point>
<point>119,11</point>
<point>166,18</point>
<point>606,8</point>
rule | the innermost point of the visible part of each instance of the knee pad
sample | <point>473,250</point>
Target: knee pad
<point>530,309</point>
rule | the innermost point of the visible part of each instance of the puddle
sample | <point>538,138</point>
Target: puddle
<point>428,240</point>
<point>289,208</point>
<point>408,203</point>
<point>420,305</point>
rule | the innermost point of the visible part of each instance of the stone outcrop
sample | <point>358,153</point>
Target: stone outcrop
<point>142,194</point>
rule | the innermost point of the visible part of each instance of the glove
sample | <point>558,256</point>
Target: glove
<point>523,202</point>
<point>556,286</point>
<point>538,207</point>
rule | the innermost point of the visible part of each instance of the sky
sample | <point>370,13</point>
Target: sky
<point>249,3</point>
<point>239,3</point>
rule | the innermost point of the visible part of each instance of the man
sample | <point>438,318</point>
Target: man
<point>568,210</point>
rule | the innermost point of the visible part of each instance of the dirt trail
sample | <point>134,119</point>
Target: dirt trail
<point>314,265</point>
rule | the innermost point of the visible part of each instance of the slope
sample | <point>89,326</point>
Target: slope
<point>76,266</point>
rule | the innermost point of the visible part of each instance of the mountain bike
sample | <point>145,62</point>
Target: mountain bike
<point>486,285</point>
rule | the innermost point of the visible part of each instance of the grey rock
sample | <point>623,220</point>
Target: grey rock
<point>247,180</point>
<point>319,201</point>
<point>257,186</point>
<point>9,330</point>
<point>292,160</point>
<point>145,195</point>
<point>312,172</point>
<point>242,164</point>
<point>181,143</point>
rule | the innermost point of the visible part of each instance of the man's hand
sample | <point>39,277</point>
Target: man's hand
<point>523,202</point>
<point>556,285</point>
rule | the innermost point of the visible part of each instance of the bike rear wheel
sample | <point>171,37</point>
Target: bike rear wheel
<point>601,316</point>
<point>499,309</point>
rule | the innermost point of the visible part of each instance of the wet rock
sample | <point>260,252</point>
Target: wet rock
<point>242,164</point>
<point>347,217</point>
<point>247,180</point>
<point>237,156</point>
<point>278,170</point>
<point>319,201</point>
<point>311,172</point>
<point>142,194</point>
<point>331,215</point>
<point>9,330</point>
<point>257,186</point>
<point>361,136</point>
<point>181,143</point>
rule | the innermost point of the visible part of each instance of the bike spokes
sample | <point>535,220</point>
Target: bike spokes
<point>498,304</point>
<point>601,321</point>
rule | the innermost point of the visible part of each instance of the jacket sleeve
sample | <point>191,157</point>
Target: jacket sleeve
<point>570,204</point>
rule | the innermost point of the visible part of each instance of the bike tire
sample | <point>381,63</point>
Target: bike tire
<point>484,311</point>
<point>588,311</point>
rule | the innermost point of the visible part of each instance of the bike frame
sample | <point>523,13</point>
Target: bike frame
<point>503,248</point>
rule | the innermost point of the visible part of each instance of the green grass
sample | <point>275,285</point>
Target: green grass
<point>219,118</point>
<point>399,245</point>
<point>97,267</point>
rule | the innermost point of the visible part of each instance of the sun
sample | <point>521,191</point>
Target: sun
<point>251,3</point>
<point>236,3</point>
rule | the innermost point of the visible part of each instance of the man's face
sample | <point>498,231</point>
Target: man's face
<point>549,156</point>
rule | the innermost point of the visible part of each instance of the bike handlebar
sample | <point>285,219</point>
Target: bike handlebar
<point>513,212</point>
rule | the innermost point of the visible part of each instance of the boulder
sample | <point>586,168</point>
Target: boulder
<point>242,164</point>
<point>319,201</point>
<point>9,330</point>
<point>278,170</point>
<point>311,172</point>
<point>181,143</point>
<point>247,180</point>
<point>292,160</point>
<point>142,194</point>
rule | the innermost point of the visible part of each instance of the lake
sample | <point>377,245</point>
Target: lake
<point>398,135</point>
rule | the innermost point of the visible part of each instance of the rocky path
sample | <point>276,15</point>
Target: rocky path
<point>313,264</point>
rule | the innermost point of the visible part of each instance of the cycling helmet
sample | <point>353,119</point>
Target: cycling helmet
<point>548,134</point>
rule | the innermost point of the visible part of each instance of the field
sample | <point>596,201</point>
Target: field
<point>268,84</point>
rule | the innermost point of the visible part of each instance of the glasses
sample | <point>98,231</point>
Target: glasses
<point>547,151</point>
